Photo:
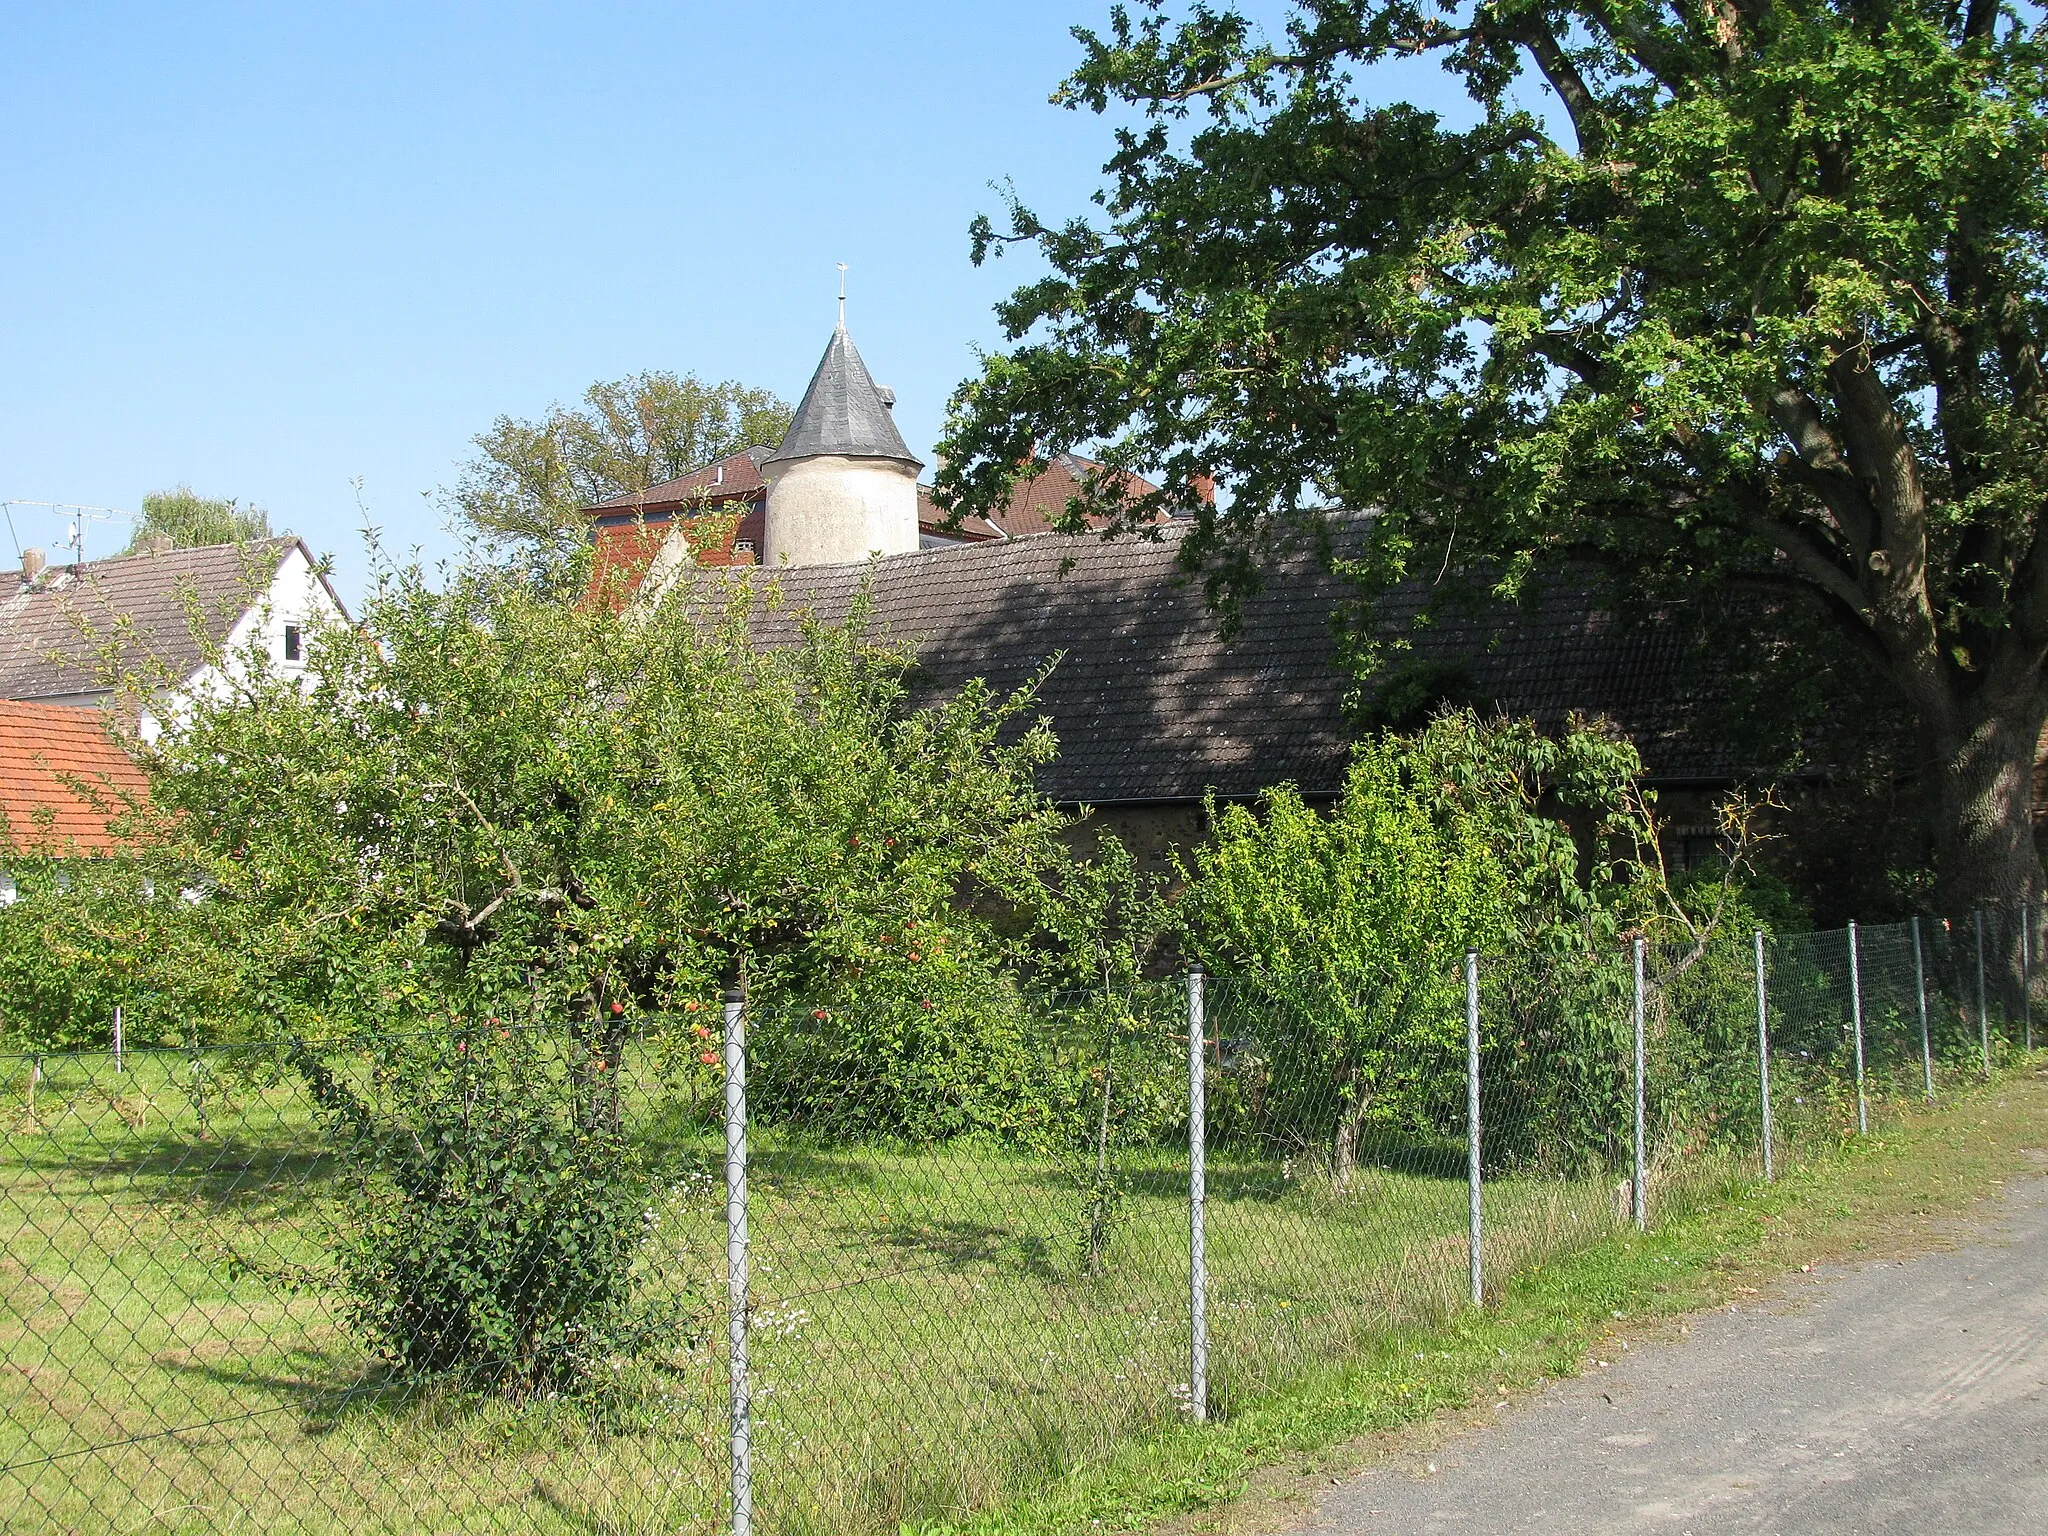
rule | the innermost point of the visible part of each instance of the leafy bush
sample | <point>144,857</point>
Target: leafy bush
<point>918,1066</point>
<point>86,936</point>
<point>489,805</point>
<point>1467,834</point>
<point>500,1211</point>
<point>1355,920</point>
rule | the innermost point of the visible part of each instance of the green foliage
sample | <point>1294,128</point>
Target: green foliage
<point>1563,815</point>
<point>193,520</point>
<point>500,1212</point>
<point>529,478</point>
<point>86,936</point>
<point>1359,917</point>
<point>955,1056</point>
<point>1104,920</point>
<point>1739,901</point>
<point>483,802</point>
<point>1747,295</point>
<point>1468,834</point>
<point>484,810</point>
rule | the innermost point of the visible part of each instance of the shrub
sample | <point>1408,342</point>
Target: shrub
<point>85,936</point>
<point>500,1212</point>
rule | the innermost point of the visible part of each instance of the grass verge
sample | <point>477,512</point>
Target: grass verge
<point>1901,1189</point>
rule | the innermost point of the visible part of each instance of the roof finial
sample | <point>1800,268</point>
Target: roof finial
<point>842,295</point>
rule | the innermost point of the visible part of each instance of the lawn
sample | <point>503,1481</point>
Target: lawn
<point>930,1333</point>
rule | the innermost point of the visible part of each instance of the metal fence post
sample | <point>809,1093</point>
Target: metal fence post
<point>1920,986</point>
<point>1763,1060</point>
<point>2027,972</point>
<point>1198,1198</point>
<point>117,1039</point>
<point>1640,1189</point>
<point>1472,1118</point>
<point>1983,1014</point>
<point>741,1388</point>
<point>1856,1020</point>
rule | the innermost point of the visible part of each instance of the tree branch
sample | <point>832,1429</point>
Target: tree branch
<point>1669,62</point>
<point>1882,457</point>
<point>1826,468</point>
<point>1534,33</point>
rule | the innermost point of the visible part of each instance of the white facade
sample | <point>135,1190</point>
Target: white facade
<point>833,510</point>
<point>275,631</point>
<point>281,623</point>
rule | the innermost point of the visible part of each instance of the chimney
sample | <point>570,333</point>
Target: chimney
<point>153,544</point>
<point>32,563</point>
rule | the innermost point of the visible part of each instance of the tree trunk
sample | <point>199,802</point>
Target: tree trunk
<point>1984,851</point>
<point>1098,1207</point>
<point>1344,1143</point>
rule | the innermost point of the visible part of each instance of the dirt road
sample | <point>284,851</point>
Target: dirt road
<point>1896,1397</point>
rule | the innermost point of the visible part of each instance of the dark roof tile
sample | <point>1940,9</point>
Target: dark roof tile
<point>843,413</point>
<point>1150,703</point>
<point>53,630</point>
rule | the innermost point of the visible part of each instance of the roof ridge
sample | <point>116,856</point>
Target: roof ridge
<point>283,540</point>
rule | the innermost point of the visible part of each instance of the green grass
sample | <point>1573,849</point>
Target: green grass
<point>1896,1191</point>
<point>930,1338</point>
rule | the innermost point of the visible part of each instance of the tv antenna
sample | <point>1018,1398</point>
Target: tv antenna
<point>78,519</point>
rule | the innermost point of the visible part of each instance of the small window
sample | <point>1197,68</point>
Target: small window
<point>291,642</point>
<point>743,546</point>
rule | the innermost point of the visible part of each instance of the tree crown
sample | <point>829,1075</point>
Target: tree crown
<point>193,521</point>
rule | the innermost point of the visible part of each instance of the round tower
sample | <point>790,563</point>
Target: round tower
<point>842,484</point>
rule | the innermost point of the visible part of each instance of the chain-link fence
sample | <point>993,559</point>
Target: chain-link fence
<point>796,1271</point>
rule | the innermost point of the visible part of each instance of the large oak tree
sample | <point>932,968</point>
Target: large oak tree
<point>1722,291</point>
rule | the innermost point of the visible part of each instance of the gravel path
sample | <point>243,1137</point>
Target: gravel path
<point>1900,1396</point>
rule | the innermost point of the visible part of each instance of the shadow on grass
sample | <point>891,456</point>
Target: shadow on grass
<point>328,1392</point>
<point>582,1519</point>
<point>966,1244</point>
<point>228,1174</point>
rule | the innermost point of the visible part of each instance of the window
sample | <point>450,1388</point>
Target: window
<point>291,642</point>
<point>743,546</point>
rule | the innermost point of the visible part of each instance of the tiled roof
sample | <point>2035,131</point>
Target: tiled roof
<point>620,556</point>
<point>52,630</point>
<point>931,520</point>
<point>1037,503</point>
<point>736,476</point>
<point>843,412</point>
<point>48,754</point>
<point>1150,703</point>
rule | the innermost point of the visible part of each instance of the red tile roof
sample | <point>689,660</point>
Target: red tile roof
<point>620,556</point>
<point>931,522</point>
<point>56,760</point>
<point>1037,504</point>
<point>736,476</point>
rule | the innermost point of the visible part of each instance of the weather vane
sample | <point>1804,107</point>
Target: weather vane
<point>842,295</point>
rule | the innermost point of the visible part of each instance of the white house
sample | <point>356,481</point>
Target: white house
<point>174,621</point>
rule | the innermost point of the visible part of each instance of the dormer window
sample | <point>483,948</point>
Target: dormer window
<point>291,642</point>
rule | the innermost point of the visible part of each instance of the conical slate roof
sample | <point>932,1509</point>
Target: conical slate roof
<point>843,413</point>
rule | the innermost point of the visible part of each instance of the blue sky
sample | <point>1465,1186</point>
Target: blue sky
<point>274,250</point>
